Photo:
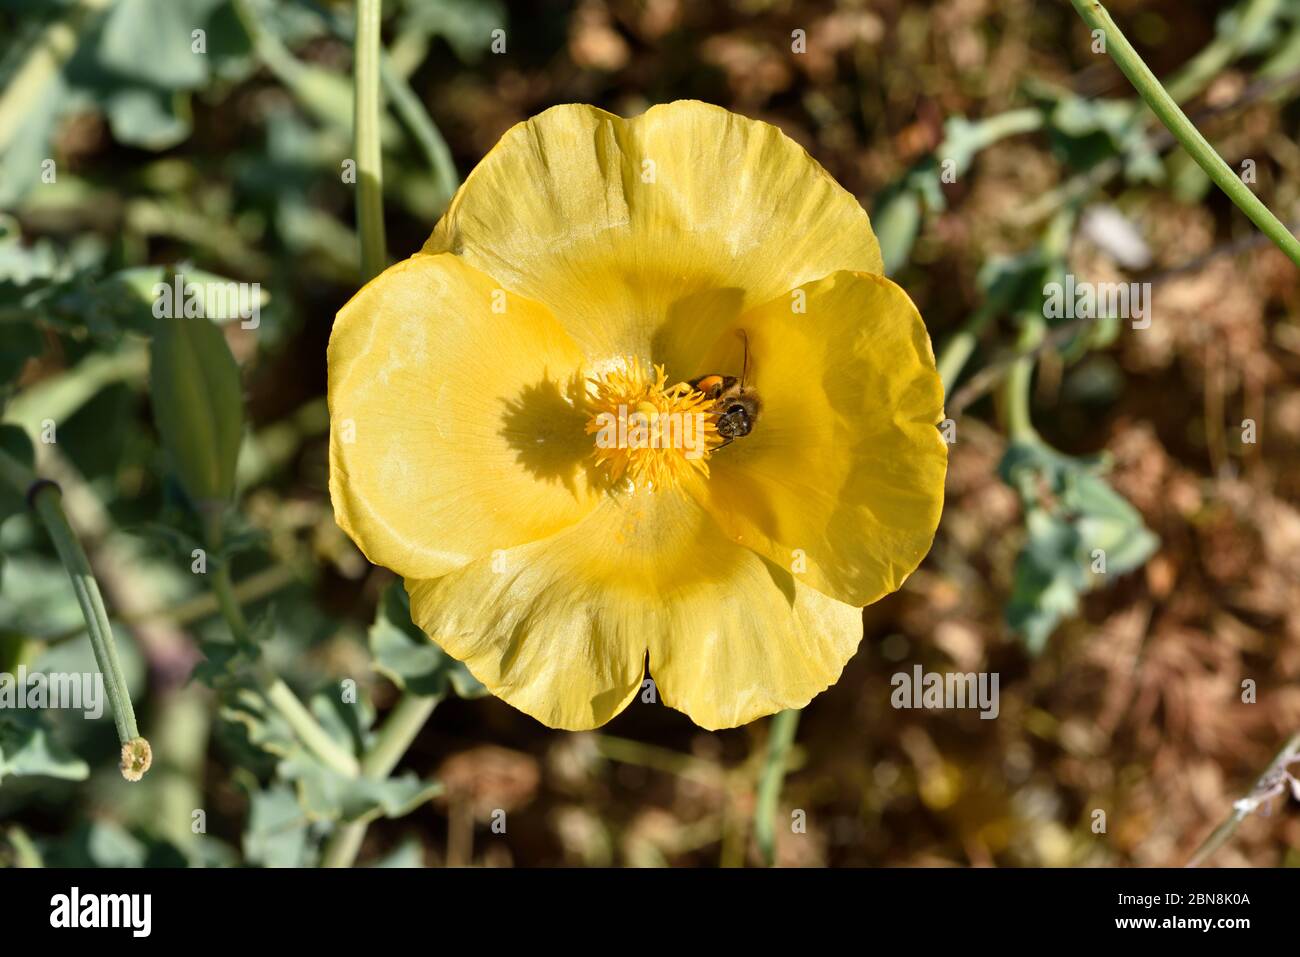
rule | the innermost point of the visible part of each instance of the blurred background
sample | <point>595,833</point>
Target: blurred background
<point>993,146</point>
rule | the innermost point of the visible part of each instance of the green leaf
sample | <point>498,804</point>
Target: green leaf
<point>98,844</point>
<point>67,297</point>
<point>177,540</point>
<point>1074,522</point>
<point>326,795</point>
<point>150,118</point>
<point>226,664</point>
<point>1087,131</point>
<point>26,749</point>
<point>466,25</point>
<point>1047,582</point>
<point>346,721</point>
<point>178,532</point>
<point>323,794</point>
<point>197,405</point>
<point>409,658</point>
<point>278,833</point>
<point>151,41</point>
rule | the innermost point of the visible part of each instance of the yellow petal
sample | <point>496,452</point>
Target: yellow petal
<point>451,430</point>
<point>645,236</point>
<point>727,653</point>
<point>560,628</point>
<point>842,478</point>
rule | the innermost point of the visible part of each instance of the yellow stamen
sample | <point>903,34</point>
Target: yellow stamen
<point>647,432</point>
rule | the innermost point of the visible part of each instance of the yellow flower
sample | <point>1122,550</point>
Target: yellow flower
<point>593,267</point>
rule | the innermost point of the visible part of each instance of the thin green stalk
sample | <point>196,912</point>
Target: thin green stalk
<point>224,592</point>
<point>1016,399</point>
<point>1242,809</point>
<point>400,729</point>
<point>26,853</point>
<point>307,728</point>
<point>49,506</point>
<point>412,710</point>
<point>278,694</point>
<point>989,131</point>
<point>436,151</point>
<point>781,733</point>
<point>370,174</point>
<point>1015,396</point>
<point>47,501</point>
<point>665,760</point>
<point>957,351</point>
<point>1223,49</point>
<point>253,588</point>
<point>410,111</point>
<point>344,845</point>
<point>1168,112</point>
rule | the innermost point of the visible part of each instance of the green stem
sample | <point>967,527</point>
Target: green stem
<point>227,603</point>
<point>1016,396</point>
<point>1290,751</point>
<point>957,351</point>
<point>344,845</point>
<point>277,694</point>
<point>253,588</point>
<point>995,128</point>
<point>1168,112</point>
<point>412,711</point>
<point>781,733</point>
<point>47,500</point>
<point>1222,50</point>
<point>1016,419</point>
<point>642,755</point>
<point>307,728</point>
<point>370,174</point>
<point>400,729</point>
<point>26,853</point>
<point>49,505</point>
<point>411,111</point>
<point>403,724</point>
<point>273,689</point>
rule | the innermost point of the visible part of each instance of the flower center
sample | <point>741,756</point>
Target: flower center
<point>648,433</point>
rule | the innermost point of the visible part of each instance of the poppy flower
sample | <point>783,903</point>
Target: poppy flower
<point>592,273</point>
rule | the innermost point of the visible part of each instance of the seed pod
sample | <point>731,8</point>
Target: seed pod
<point>197,406</point>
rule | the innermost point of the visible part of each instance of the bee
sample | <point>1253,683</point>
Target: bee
<point>734,402</point>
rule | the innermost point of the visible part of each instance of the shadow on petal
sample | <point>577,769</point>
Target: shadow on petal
<point>685,343</point>
<point>544,425</point>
